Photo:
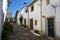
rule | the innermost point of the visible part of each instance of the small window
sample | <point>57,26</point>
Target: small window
<point>47,2</point>
<point>32,8</point>
<point>35,22</point>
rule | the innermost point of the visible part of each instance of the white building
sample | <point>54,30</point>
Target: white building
<point>51,18</point>
<point>24,14</point>
<point>34,15</point>
<point>44,16</point>
<point>5,6</point>
<point>1,18</point>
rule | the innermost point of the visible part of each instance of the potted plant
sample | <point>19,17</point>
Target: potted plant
<point>8,30</point>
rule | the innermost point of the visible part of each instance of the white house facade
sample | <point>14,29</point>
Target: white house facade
<point>24,14</point>
<point>44,16</point>
<point>51,18</point>
<point>34,15</point>
<point>5,7</point>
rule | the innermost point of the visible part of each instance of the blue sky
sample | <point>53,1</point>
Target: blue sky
<point>17,5</point>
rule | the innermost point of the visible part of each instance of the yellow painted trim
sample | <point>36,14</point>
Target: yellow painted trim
<point>32,4</point>
<point>31,7</point>
<point>41,14</point>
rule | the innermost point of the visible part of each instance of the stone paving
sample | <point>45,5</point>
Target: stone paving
<point>21,33</point>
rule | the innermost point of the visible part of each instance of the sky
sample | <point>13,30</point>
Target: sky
<point>17,5</point>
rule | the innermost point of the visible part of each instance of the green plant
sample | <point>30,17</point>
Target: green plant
<point>8,30</point>
<point>21,19</point>
<point>8,27</point>
<point>24,25</point>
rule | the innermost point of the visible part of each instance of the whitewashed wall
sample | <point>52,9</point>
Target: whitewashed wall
<point>5,8</point>
<point>35,15</point>
<point>58,22</point>
<point>1,18</point>
<point>48,10</point>
<point>24,14</point>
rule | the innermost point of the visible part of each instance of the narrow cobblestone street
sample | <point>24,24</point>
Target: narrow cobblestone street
<point>23,34</point>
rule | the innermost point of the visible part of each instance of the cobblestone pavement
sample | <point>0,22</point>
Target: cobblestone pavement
<point>23,34</point>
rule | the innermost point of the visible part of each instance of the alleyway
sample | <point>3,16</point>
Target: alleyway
<point>23,34</point>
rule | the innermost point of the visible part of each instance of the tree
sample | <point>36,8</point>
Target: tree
<point>21,19</point>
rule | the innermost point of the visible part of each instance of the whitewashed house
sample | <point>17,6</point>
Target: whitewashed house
<point>5,7</point>
<point>34,15</point>
<point>24,14</point>
<point>47,15</point>
<point>44,16</point>
<point>51,18</point>
<point>31,18</point>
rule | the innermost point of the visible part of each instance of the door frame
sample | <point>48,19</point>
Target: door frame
<point>33,22</point>
<point>46,30</point>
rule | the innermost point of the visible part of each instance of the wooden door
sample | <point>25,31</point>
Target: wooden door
<point>31,23</point>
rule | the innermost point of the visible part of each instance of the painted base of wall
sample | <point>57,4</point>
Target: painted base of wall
<point>35,33</point>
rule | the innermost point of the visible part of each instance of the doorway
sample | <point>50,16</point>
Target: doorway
<point>24,21</point>
<point>50,23</point>
<point>31,24</point>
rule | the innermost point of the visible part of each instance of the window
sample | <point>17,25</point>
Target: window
<point>32,8</point>
<point>47,2</point>
<point>35,22</point>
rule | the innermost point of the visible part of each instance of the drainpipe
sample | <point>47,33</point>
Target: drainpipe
<point>41,14</point>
